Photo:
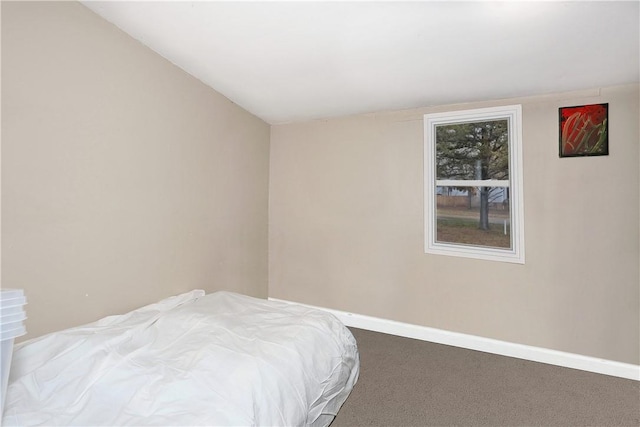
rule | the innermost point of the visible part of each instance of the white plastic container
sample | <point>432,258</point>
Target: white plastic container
<point>12,317</point>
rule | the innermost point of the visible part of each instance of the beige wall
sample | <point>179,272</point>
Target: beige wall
<point>124,180</point>
<point>346,231</point>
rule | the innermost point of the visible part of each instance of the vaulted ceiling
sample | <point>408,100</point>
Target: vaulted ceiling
<point>293,61</point>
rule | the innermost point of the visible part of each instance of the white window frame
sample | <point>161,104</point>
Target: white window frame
<point>512,113</point>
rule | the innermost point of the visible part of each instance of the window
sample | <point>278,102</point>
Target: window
<point>473,184</point>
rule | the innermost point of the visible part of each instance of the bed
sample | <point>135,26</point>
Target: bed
<point>193,359</point>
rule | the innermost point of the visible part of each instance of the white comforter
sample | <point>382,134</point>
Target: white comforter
<point>220,359</point>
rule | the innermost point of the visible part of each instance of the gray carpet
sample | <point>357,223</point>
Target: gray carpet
<point>405,382</point>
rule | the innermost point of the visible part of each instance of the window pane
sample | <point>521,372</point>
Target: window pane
<point>473,184</point>
<point>473,150</point>
<point>461,218</point>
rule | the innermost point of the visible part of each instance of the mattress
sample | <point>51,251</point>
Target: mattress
<point>193,359</point>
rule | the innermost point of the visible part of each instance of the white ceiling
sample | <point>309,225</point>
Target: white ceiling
<point>293,61</point>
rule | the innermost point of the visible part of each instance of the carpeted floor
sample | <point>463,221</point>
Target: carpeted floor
<point>406,382</point>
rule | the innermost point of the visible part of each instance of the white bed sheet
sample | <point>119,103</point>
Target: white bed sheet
<point>220,359</point>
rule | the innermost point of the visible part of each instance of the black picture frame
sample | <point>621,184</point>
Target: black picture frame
<point>584,130</point>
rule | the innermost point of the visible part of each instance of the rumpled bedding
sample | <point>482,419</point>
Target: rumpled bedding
<point>219,359</point>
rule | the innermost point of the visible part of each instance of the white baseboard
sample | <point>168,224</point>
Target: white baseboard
<point>488,345</point>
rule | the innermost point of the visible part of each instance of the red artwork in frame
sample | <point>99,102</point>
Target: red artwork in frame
<point>584,130</point>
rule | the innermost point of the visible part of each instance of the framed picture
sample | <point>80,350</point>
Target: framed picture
<point>584,130</point>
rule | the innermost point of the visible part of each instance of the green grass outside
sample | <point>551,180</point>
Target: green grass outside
<point>465,231</point>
